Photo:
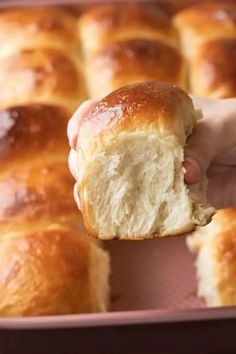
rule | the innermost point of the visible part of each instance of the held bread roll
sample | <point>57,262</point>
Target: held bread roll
<point>41,75</point>
<point>214,247</point>
<point>133,60</point>
<point>204,22</point>
<point>51,271</point>
<point>213,69</point>
<point>130,175</point>
<point>107,23</point>
<point>37,27</point>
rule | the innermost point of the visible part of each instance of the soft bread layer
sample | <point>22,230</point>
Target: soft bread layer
<point>206,277</point>
<point>143,187</point>
<point>214,247</point>
<point>130,176</point>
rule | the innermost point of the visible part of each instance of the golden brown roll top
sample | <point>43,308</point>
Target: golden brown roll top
<point>40,192</point>
<point>204,22</point>
<point>51,271</point>
<point>213,69</point>
<point>214,247</point>
<point>37,27</point>
<point>31,131</point>
<point>33,158</point>
<point>41,75</point>
<point>146,105</point>
<point>108,23</point>
<point>133,60</point>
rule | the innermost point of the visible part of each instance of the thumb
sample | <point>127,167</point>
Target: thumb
<point>200,150</point>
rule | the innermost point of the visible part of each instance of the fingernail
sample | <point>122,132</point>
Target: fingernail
<point>76,196</point>
<point>193,170</point>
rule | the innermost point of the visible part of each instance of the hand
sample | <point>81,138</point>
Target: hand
<point>72,133</point>
<point>211,149</point>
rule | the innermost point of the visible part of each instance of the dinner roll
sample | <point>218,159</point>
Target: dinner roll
<point>35,27</point>
<point>39,192</point>
<point>106,23</point>
<point>133,60</point>
<point>33,160</point>
<point>34,126</point>
<point>51,271</point>
<point>130,175</point>
<point>213,69</point>
<point>204,22</point>
<point>214,247</point>
<point>41,75</point>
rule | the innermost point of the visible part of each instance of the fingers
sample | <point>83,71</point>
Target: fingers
<point>73,162</point>
<point>212,137</point>
<point>193,170</point>
<point>73,169</point>
<point>199,151</point>
<point>76,197</point>
<point>75,121</point>
<point>203,103</point>
<point>72,133</point>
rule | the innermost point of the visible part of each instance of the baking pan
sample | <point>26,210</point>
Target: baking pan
<point>154,310</point>
<point>154,306</point>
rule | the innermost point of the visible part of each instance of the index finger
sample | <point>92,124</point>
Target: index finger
<point>76,119</point>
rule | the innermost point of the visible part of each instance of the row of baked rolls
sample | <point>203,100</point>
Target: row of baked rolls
<point>129,43</point>
<point>130,61</point>
<point>108,23</point>
<point>208,37</point>
<point>52,268</point>
<point>38,27</point>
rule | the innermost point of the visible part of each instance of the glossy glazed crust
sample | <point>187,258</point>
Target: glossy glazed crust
<point>104,24</point>
<point>204,22</point>
<point>134,60</point>
<point>36,27</point>
<point>208,17</point>
<point>32,193</point>
<point>41,75</point>
<point>148,105</point>
<point>33,157</point>
<point>38,126</point>
<point>213,69</point>
<point>54,263</point>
